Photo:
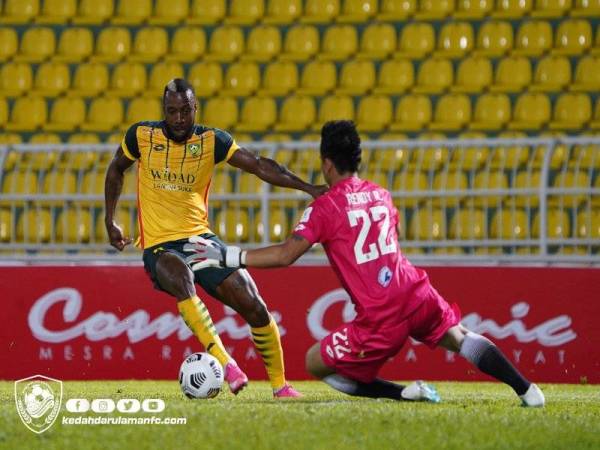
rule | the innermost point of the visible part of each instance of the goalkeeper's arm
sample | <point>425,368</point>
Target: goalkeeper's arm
<point>279,255</point>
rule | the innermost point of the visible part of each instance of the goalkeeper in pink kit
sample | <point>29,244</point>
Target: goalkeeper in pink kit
<point>356,222</point>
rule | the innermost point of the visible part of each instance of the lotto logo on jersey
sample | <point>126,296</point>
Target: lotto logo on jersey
<point>339,344</point>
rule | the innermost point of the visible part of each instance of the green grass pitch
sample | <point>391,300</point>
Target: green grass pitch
<point>471,416</point>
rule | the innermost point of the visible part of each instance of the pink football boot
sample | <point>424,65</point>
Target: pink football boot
<point>287,391</point>
<point>234,376</point>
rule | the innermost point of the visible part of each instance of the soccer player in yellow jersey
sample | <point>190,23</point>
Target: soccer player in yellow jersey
<point>175,161</point>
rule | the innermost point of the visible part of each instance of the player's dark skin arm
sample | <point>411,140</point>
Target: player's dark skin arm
<point>113,184</point>
<point>278,255</point>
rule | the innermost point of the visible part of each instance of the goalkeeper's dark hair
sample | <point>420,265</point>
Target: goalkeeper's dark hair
<point>178,85</point>
<point>341,144</point>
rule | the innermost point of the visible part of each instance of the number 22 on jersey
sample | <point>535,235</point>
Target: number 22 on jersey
<point>379,215</point>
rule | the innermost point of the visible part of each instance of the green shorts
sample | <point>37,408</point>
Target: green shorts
<point>208,278</point>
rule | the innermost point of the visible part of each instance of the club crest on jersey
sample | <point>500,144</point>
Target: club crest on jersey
<point>194,149</point>
<point>385,276</point>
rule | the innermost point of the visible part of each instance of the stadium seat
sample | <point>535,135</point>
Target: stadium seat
<point>45,138</point>
<point>585,156</point>
<point>28,114</point>
<point>90,79</point>
<point>226,44</point>
<point>34,226</point>
<point>512,9</point>
<point>452,112</point>
<point>301,43</point>
<point>455,39</point>
<point>588,224</point>
<point>434,9</point>
<point>557,225</point>
<point>3,111</point>
<point>16,78</point>
<point>142,109</point>
<point>280,77</point>
<point>595,123</point>
<point>37,45</point>
<point>470,157</point>
<point>298,112</point>
<point>264,43</point>
<point>413,113</point>
<point>468,224</point>
<point>206,77</point>
<point>59,182</point>
<point>51,79</point>
<point>552,74</point>
<point>486,180</point>
<point>378,41</point>
<point>241,79</point>
<point>434,76</point>
<point>474,74</point>
<point>571,179</point>
<point>551,9</point>
<point>187,45</point>
<point>586,8</point>
<point>73,226</point>
<point>104,114</point>
<point>427,224</point>
<point>430,157</point>
<point>453,180</point>
<point>282,12</point>
<point>416,41</point>
<point>357,77</point>
<point>132,12</point>
<point>473,9</point>
<point>66,114</point>
<point>318,78</point>
<point>93,12</point>
<point>80,161</point>
<point>573,37</point>
<point>221,112</point>
<point>510,224</point>
<point>396,10</point>
<point>405,183</point>
<point>510,158</point>
<point>149,45</point>
<point>533,38</point>
<point>245,12</point>
<point>233,225</point>
<point>278,227</point>
<point>207,12</point>
<point>571,112</point>
<point>357,11</point>
<point>75,45</point>
<point>395,77</point>
<point>531,112</point>
<point>334,107</point>
<point>19,11</point>
<point>7,139</point>
<point>339,43</point>
<point>513,74</point>
<point>57,11</point>
<point>374,113</point>
<point>494,38</point>
<point>160,75</point>
<point>492,112</point>
<point>169,12</point>
<point>125,220</point>
<point>128,80</point>
<point>526,179</point>
<point>8,43</point>
<point>6,225</point>
<point>587,74</point>
<point>112,45</point>
<point>320,11</point>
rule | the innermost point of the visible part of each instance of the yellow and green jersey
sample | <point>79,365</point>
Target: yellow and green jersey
<point>173,179</point>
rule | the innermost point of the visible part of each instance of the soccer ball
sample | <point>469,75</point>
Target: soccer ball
<point>201,376</point>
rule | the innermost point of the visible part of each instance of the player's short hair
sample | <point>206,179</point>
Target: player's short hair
<point>341,144</point>
<point>178,85</point>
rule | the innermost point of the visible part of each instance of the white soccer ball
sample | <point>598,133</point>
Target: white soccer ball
<point>201,376</point>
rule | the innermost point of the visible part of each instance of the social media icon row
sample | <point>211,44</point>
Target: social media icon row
<point>107,405</point>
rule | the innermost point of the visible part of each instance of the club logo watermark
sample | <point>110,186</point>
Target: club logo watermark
<point>38,399</point>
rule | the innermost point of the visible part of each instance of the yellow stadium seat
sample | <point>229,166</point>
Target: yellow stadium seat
<point>513,74</point>
<point>494,38</point>
<point>226,44</point>
<point>8,43</point>
<point>378,177</point>
<point>206,12</point>
<point>452,112</point>
<point>551,9</point>
<point>187,45</point>
<point>278,227</point>
<point>37,44</point>
<point>416,40</point>
<point>245,12</point>
<point>281,12</point>
<point>141,109</point>
<point>93,12</point>
<point>132,12</point>
<point>66,114</point>
<point>280,77</point>
<point>474,74</point>
<point>430,157</point>
<point>378,41</point>
<point>233,225</point>
<point>434,9</point>
<point>59,182</point>
<point>51,79</point>
<point>552,73</point>
<point>339,43</point>
<point>357,11</point>
<point>510,158</point>
<point>206,77</point>
<point>10,138</point>
<point>258,114</point>
<point>20,182</point>
<point>395,77</point>
<point>455,40</point>
<point>128,79</point>
<point>160,75</point>
<point>473,9</point>
<point>587,74</point>
<point>318,78</point>
<point>470,157</point>
<point>57,11</point>
<point>468,224</point>
<point>93,184</point>
<point>241,79</point>
<point>573,37</point>
<point>427,224</point>
<point>533,38</point>
<point>586,8</point>
<point>390,157</point>
<point>526,179</point>
<point>301,43</point>
<point>357,77</point>
<point>409,181</point>
<point>492,112</point>
<point>80,160</point>
<point>453,180</point>
<point>588,224</point>
<point>334,107</point>
<point>112,44</point>
<point>169,12</point>
<point>149,45</point>
<point>28,114</point>
<point>571,112</point>
<point>6,225</point>
<point>595,123</point>
<point>125,220</point>
<point>15,79</point>
<point>19,11</point>
<point>374,113</point>
<point>413,113</point>
<point>531,112</point>
<point>510,224</point>
<point>512,9</point>
<point>396,10</point>
<point>45,138</point>
<point>264,43</point>
<point>104,114</point>
<point>90,80</point>
<point>75,44</point>
<point>486,180</point>
<point>73,226</point>
<point>221,112</point>
<point>320,11</point>
<point>434,76</point>
<point>298,112</point>
<point>557,225</point>
<point>559,156</point>
<point>34,226</point>
<point>3,111</point>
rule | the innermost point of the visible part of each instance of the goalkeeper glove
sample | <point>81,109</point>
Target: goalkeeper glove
<point>206,253</point>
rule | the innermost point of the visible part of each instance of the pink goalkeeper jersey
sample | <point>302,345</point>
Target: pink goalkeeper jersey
<point>356,223</point>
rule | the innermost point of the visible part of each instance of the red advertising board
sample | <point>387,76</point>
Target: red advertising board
<point>109,323</point>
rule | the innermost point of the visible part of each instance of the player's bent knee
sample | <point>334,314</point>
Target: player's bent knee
<point>314,363</point>
<point>174,276</point>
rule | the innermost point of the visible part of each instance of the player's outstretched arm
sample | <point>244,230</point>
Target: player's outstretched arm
<point>272,172</point>
<point>113,184</point>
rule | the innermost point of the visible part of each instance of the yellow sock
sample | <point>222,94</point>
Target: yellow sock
<point>197,318</point>
<point>268,344</point>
